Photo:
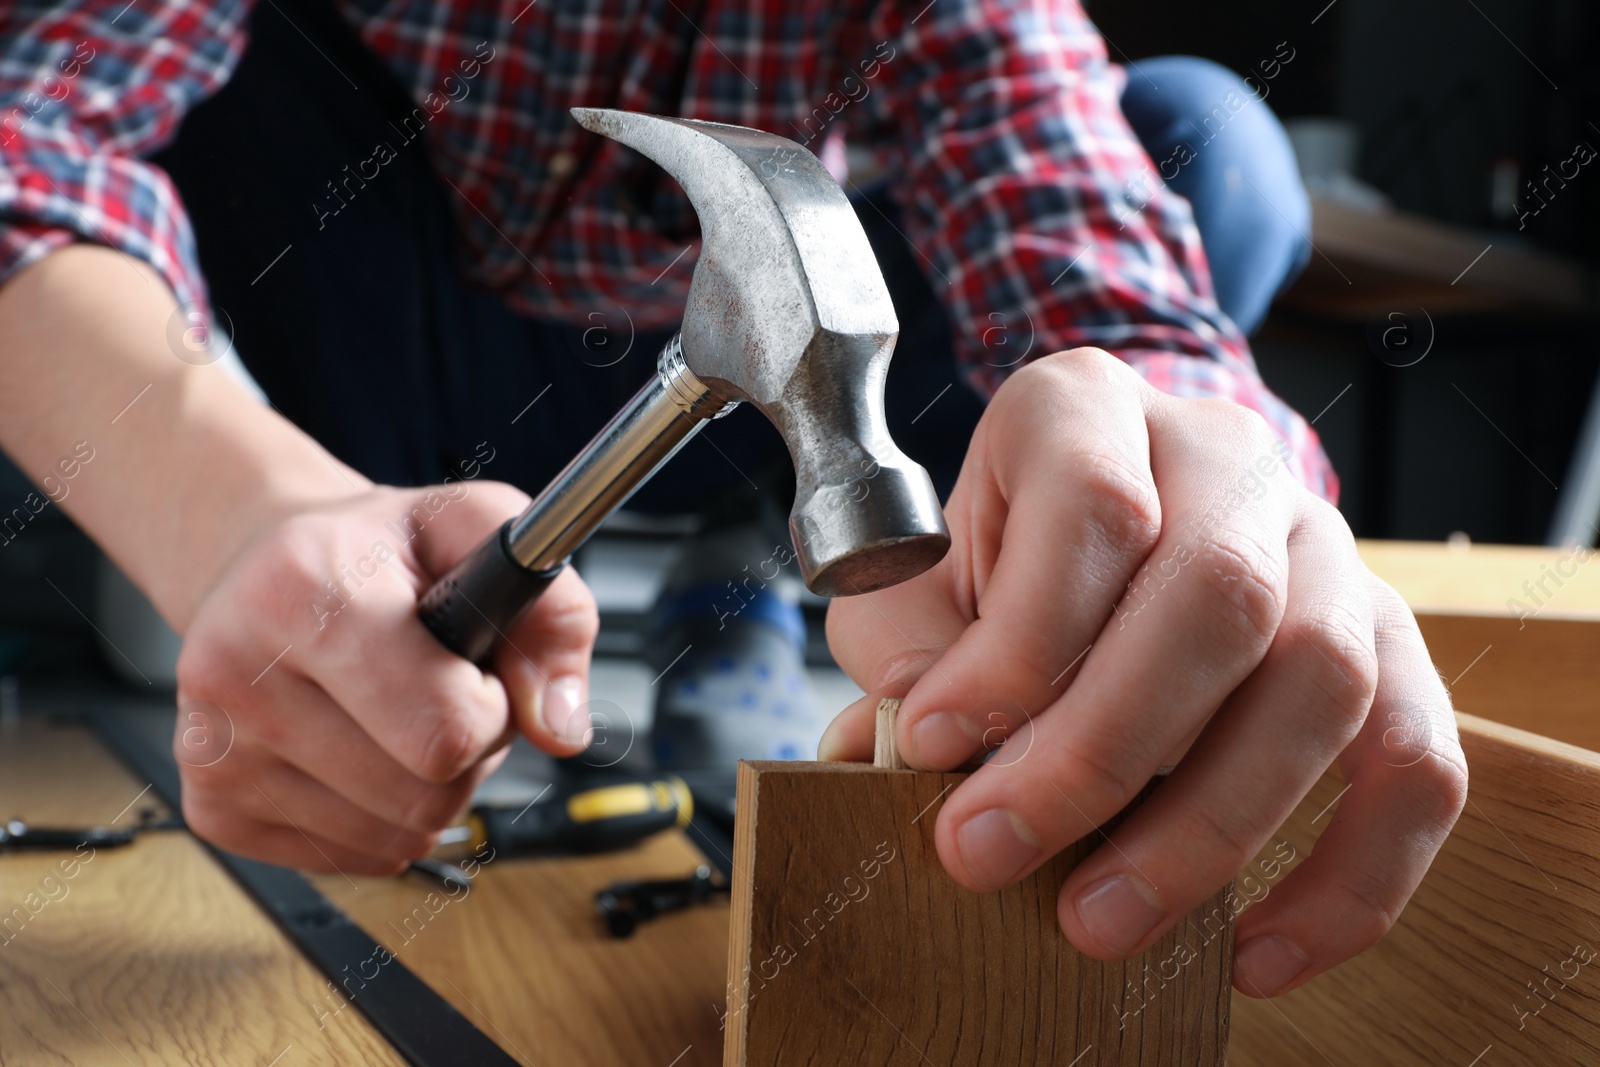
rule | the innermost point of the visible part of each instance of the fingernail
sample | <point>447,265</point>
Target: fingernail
<point>940,741</point>
<point>1266,965</point>
<point>1118,913</point>
<point>996,846</point>
<point>565,716</point>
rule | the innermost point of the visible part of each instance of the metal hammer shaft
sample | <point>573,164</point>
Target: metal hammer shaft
<point>471,607</point>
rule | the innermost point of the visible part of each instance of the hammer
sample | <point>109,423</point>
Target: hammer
<point>787,311</point>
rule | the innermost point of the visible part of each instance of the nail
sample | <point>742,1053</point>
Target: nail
<point>1267,965</point>
<point>996,846</point>
<point>565,716</point>
<point>1118,913</point>
<point>941,741</point>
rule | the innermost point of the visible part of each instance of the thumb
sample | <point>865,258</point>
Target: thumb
<point>886,641</point>
<point>544,663</point>
<point>543,659</point>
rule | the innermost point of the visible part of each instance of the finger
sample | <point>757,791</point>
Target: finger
<point>885,641</point>
<point>851,734</point>
<point>1407,785</point>
<point>433,711</point>
<point>275,792</point>
<point>279,843</point>
<point>1155,674</point>
<point>1080,514</point>
<point>544,663</point>
<point>295,720</point>
<point>1258,758</point>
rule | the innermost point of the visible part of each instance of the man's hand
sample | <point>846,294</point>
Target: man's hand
<point>352,736</point>
<point>1136,580</point>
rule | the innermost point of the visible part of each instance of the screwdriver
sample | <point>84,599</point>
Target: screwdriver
<point>573,818</point>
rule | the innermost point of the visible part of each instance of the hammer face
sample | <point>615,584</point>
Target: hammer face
<point>865,514</point>
<point>849,550</point>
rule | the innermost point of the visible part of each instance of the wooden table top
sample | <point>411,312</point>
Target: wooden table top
<point>151,954</point>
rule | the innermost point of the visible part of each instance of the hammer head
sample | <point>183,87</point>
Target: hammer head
<point>789,312</point>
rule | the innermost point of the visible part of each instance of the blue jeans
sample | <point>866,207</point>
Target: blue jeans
<point>1241,179</point>
<point>375,345</point>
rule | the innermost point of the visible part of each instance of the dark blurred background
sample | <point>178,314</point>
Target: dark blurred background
<point>1455,105</point>
<point>1452,107</point>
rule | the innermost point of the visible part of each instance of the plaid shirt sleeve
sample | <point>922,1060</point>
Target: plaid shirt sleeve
<point>86,87</point>
<point>1039,214</point>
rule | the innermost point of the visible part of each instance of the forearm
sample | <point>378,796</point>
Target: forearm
<point>187,467</point>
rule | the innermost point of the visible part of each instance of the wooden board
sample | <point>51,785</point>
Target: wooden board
<point>851,945</point>
<point>1514,631</point>
<point>1435,578</point>
<point>1493,962</point>
<point>148,954</point>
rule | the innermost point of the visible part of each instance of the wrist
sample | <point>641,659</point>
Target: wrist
<point>187,467</point>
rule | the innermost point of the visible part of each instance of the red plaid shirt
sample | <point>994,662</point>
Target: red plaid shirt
<point>1023,188</point>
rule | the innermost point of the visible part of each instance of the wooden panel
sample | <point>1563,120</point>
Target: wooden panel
<point>1437,578</point>
<point>851,945</point>
<point>148,954</point>
<point>1543,676</point>
<point>1494,961</point>
<point>1514,631</point>
<point>524,956</point>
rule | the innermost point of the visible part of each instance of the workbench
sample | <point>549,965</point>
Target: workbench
<point>151,954</point>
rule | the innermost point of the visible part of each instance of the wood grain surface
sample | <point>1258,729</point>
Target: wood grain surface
<point>524,956</point>
<point>1494,961</point>
<point>1514,631</point>
<point>147,954</point>
<point>851,945</point>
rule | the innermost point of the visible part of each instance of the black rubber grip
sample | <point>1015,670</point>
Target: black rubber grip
<point>470,608</point>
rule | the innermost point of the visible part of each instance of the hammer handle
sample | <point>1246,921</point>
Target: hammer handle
<point>473,606</point>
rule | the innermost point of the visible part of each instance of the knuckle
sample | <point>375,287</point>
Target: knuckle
<point>1123,507</point>
<point>1243,423</point>
<point>1225,837</point>
<point>898,672</point>
<point>1448,784</point>
<point>293,555</point>
<point>287,579</point>
<point>205,670</point>
<point>1245,583</point>
<point>207,820</point>
<point>1341,656</point>
<point>447,748</point>
<point>574,614</point>
<point>198,777</point>
<point>1072,372</point>
<point>1329,523</point>
<point>433,809</point>
<point>1371,910</point>
<point>1391,612</point>
<point>1099,778</point>
<point>1094,364</point>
